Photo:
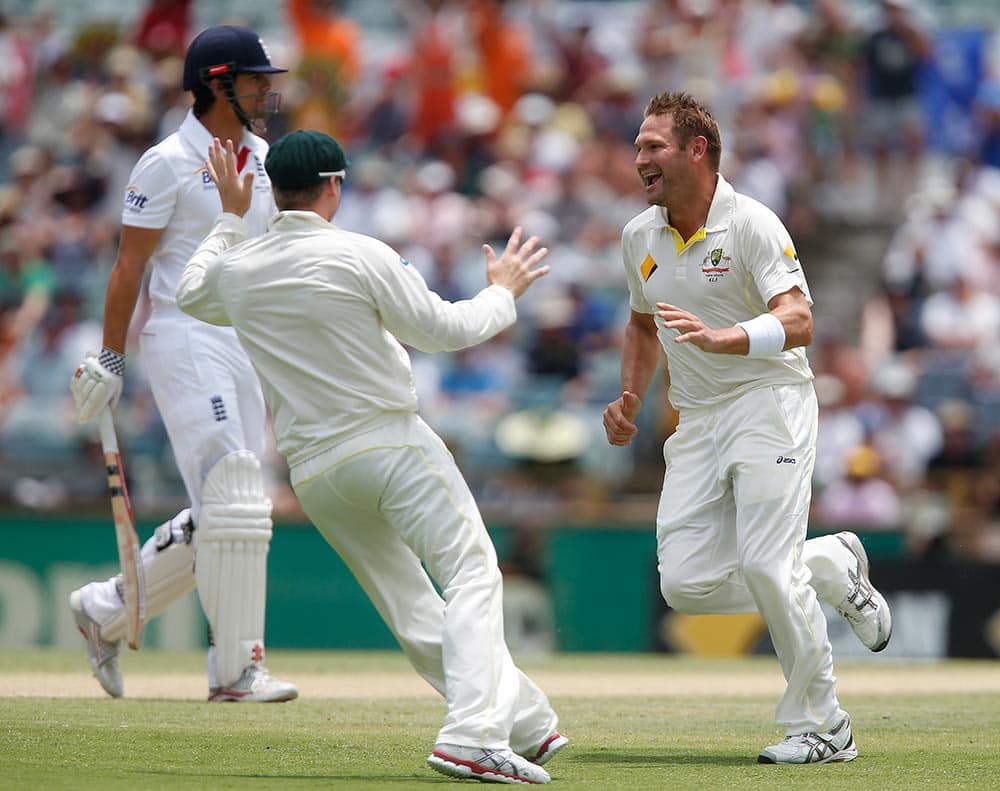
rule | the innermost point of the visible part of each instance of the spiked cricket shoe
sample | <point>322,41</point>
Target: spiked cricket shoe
<point>255,685</point>
<point>547,749</point>
<point>832,746</point>
<point>864,608</point>
<point>102,654</point>
<point>490,766</point>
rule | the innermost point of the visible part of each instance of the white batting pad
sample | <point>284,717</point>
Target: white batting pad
<point>234,529</point>
<point>168,569</point>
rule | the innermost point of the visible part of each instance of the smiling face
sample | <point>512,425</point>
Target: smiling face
<point>664,165</point>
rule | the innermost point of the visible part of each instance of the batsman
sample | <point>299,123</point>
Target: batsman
<point>206,391</point>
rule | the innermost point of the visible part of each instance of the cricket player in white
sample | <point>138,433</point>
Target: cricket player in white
<point>715,283</point>
<point>322,313</point>
<point>204,386</point>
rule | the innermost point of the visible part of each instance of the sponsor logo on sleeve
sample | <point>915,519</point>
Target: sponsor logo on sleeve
<point>647,267</point>
<point>793,264</point>
<point>135,201</point>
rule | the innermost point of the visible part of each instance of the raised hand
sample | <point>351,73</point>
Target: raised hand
<point>516,268</point>
<point>235,191</point>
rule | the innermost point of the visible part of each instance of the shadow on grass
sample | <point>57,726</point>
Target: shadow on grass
<point>663,758</point>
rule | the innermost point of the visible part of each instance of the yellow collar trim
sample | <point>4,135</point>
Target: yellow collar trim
<point>681,245</point>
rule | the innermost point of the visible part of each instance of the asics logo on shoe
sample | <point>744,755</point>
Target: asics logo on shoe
<point>835,745</point>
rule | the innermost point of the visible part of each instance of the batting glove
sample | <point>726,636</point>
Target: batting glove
<point>97,383</point>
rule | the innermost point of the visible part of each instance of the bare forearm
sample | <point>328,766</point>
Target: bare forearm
<point>640,357</point>
<point>787,324</point>
<point>796,319</point>
<point>134,250</point>
<point>122,294</point>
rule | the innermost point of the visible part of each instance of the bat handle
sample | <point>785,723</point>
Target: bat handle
<point>109,440</point>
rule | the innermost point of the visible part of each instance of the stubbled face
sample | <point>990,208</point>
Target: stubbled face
<point>251,92</point>
<point>661,163</point>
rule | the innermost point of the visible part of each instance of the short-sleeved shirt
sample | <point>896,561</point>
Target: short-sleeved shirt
<point>725,273</point>
<point>170,189</point>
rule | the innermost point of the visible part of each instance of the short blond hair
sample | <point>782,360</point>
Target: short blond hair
<point>691,119</point>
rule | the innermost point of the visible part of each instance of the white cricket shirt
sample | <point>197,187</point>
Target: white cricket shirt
<point>725,273</point>
<point>170,189</point>
<point>319,310</point>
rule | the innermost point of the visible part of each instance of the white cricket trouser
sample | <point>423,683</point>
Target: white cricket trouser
<point>386,501</point>
<point>730,531</point>
<point>207,393</point>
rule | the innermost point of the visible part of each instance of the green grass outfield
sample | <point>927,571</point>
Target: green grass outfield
<point>367,721</point>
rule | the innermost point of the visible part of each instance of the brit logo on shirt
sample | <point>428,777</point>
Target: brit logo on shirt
<point>135,201</point>
<point>715,265</point>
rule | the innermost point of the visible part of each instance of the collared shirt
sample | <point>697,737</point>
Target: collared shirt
<point>725,273</point>
<point>322,312</point>
<point>170,189</point>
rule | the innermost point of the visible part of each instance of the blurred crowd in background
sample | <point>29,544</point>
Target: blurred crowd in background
<point>463,118</point>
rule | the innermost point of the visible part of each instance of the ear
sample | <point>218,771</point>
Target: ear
<point>215,85</point>
<point>699,147</point>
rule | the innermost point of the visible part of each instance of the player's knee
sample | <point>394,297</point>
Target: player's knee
<point>681,594</point>
<point>759,577</point>
<point>233,504</point>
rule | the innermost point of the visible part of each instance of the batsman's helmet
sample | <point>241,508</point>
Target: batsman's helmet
<point>225,50</point>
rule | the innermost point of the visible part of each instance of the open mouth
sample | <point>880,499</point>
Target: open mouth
<point>649,179</point>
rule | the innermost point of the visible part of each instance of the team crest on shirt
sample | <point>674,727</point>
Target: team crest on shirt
<point>715,265</point>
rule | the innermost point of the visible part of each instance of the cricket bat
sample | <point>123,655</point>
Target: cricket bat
<point>129,549</point>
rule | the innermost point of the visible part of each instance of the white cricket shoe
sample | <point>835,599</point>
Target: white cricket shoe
<point>864,608</point>
<point>102,654</point>
<point>831,746</point>
<point>255,685</point>
<point>490,766</point>
<point>548,748</point>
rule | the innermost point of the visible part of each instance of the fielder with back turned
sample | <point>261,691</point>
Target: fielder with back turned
<point>205,389</point>
<point>322,313</point>
<point>715,283</point>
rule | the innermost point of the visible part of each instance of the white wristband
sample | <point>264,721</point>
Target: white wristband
<point>766,335</point>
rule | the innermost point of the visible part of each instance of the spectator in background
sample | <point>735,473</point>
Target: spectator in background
<point>326,33</point>
<point>329,66</point>
<point>17,53</point>
<point>435,30</point>
<point>164,28</point>
<point>26,287</point>
<point>952,470</point>
<point>893,55</point>
<point>905,434</point>
<point>839,430</point>
<point>961,318</point>
<point>503,49</point>
<point>861,499</point>
<point>987,110</point>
